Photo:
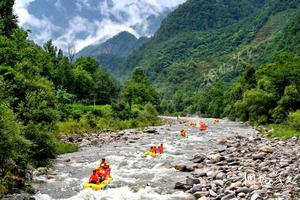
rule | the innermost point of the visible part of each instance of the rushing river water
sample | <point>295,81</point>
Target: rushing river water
<point>134,176</point>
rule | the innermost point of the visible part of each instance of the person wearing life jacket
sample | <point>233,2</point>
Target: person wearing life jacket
<point>94,178</point>
<point>151,149</point>
<point>108,169</point>
<point>182,133</point>
<point>106,173</point>
<point>160,149</point>
<point>103,161</point>
<point>203,126</point>
<point>155,149</point>
<point>101,171</point>
<point>216,121</point>
<point>192,125</point>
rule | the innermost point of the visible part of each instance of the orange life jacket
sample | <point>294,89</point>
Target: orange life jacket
<point>183,133</point>
<point>159,149</point>
<point>203,127</point>
<point>94,178</point>
<point>152,150</point>
<point>101,172</point>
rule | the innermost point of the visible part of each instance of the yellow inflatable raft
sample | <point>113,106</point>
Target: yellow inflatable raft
<point>100,186</point>
<point>151,154</point>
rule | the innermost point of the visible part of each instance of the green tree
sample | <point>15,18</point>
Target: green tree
<point>139,90</point>
<point>87,63</point>
<point>12,143</point>
<point>255,106</point>
<point>8,20</point>
<point>82,83</point>
<point>105,87</point>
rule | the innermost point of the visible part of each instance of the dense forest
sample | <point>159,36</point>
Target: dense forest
<point>44,94</point>
<point>236,59</point>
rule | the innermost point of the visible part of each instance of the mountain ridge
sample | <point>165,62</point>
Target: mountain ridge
<point>114,50</point>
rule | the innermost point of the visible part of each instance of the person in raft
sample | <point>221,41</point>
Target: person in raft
<point>94,178</point>
<point>152,150</point>
<point>106,173</point>
<point>183,133</point>
<point>160,149</point>
<point>203,126</point>
<point>103,162</point>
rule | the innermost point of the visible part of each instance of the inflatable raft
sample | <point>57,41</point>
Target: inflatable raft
<point>216,121</point>
<point>151,154</point>
<point>181,137</point>
<point>100,186</point>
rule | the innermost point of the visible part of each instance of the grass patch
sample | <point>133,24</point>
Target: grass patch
<point>63,148</point>
<point>283,131</point>
<point>73,126</point>
<point>86,119</point>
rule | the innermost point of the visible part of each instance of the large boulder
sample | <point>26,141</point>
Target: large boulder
<point>198,158</point>
<point>184,168</point>
<point>191,181</point>
<point>182,186</point>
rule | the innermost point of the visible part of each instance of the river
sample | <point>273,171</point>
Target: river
<point>134,176</point>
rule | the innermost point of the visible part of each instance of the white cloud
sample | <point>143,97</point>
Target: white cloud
<point>126,14</point>
<point>20,8</point>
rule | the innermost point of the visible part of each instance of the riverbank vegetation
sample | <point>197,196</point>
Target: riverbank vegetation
<point>44,94</point>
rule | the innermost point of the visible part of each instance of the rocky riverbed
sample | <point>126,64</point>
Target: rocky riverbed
<point>245,168</point>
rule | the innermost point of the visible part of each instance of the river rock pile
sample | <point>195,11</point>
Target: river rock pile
<point>245,168</point>
<point>100,138</point>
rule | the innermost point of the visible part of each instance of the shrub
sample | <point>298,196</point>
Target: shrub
<point>63,148</point>
<point>294,120</point>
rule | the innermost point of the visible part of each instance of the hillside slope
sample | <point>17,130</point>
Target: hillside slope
<point>179,57</point>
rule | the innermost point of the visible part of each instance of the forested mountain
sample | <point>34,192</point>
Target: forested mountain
<point>112,52</point>
<point>191,41</point>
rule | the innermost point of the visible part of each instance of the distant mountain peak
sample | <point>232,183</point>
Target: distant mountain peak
<point>112,52</point>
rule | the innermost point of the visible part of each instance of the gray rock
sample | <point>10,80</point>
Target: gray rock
<point>211,174</point>
<point>244,190</point>
<point>196,188</point>
<point>181,186</point>
<point>198,158</point>
<point>184,168</point>
<point>212,193</point>
<point>228,197</point>
<point>241,195</point>
<point>283,164</point>
<point>191,181</point>
<point>220,175</point>
<point>219,183</point>
<point>215,157</point>
<point>201,194</point>
<point>255,196</point>
<point>259,155</point>
<point>258,194</point>
<point>151,131</point>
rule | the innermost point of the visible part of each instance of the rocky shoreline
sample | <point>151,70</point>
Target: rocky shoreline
<point>245,168</point>
<point>105,137</point>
